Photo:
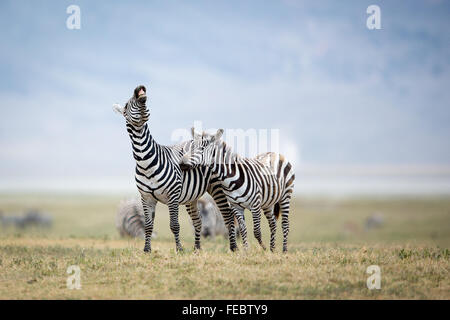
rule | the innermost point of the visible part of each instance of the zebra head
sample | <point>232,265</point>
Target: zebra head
<point>135,110</point>
<point>201,151</point>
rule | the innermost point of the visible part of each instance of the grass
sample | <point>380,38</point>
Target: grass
<point>329,253</point>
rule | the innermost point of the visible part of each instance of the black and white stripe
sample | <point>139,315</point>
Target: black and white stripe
<point>212,221</point>
<point>264,183</point>
<point>159,177</point>
<point>130,219</point>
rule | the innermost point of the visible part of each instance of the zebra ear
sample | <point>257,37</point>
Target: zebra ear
<point>194,134</point>
<point>218,134</point>
<point>118,108</point>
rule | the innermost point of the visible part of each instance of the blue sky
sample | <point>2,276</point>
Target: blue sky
<point>341,95</point>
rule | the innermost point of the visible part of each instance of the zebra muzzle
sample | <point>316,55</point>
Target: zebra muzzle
<point>185,166</point>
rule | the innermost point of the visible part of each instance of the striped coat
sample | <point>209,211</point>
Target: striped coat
<point>212,221</point>
<point>159,177</point>
<point>130,220</point>
<point>264,183</point>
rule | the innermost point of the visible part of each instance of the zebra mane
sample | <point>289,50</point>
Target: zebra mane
<point>227,152</point>
<point>180,149</point>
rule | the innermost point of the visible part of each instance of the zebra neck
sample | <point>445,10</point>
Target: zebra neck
<point>225,161</point>
<point>144,146</point>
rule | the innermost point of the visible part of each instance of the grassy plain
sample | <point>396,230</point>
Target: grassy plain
<point>329,251</point>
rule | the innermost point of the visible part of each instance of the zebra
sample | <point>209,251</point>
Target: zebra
<point>159,177</point>
<point>15,221</point>
<point>130,219</point>
<point>212,221</point>
<point>265,182</point>
<point>31,218</point>
<point>35,218</point>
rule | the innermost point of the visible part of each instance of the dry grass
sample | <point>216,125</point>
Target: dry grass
<point>327,258</point>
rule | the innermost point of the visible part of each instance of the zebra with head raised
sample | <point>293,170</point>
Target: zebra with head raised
<point>159,177</point>
<point>265,182</point>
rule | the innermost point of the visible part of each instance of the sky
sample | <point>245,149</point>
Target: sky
<point>344,98</point>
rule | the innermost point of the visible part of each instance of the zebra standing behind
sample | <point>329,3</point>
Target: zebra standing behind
<point>130,220</point>
<point>265,182</point>
<point>212,221</point>
<point>159,177</point>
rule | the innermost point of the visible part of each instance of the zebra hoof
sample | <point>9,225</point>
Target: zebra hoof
<point>180,250</point>
<point>147,250</point>
<point>234,249</point>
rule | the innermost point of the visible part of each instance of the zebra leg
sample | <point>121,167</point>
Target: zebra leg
<point>239,214</point>
<point>149,217</point>
<point>229,223</point>
<point>256,213</point>
<point>228,217</point>
<point>174,224</point>
<point>284,209</point>
<point>196,221</point>
<point>268,212</point>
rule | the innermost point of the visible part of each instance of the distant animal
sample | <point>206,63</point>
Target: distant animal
<point>212,221</point>
<point>264,183</point>
<point>130,220</point>
<point>159,177</point>
<point>31,218</point>
<point>375,220</point>
<point>12,221</point>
